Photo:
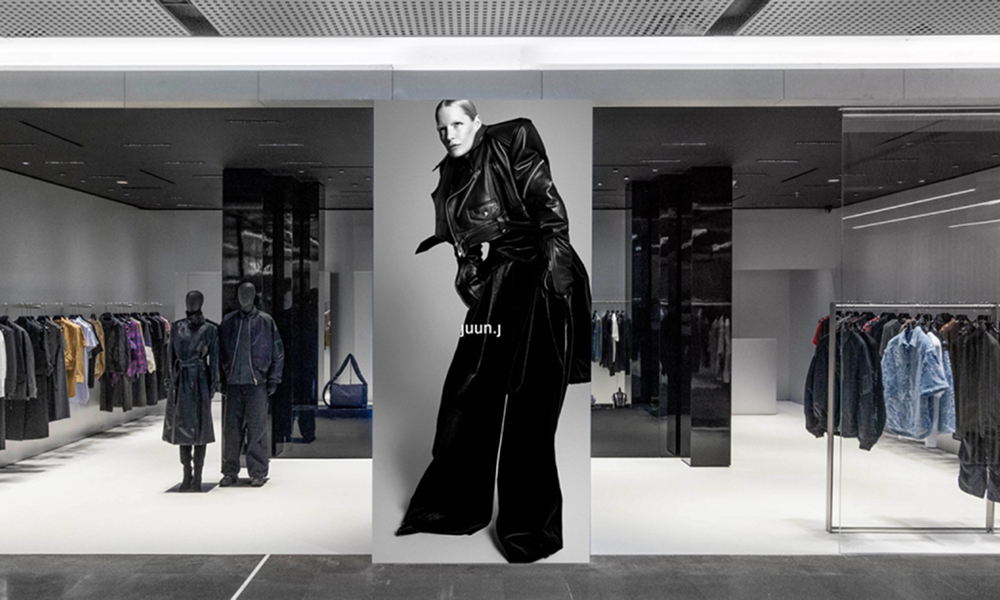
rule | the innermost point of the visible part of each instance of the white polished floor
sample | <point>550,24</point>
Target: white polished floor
<point>108,494</point>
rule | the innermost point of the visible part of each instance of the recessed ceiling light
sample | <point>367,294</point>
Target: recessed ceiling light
<point>25,163</point>
<point>121,182</point>
<point>683,143</point>
<point>252,121</point>
<point>778,161</point>
<point>368,178</point>
<point>83,181</point>
<point>62,174</point>
<point>905,204</point>
<point>16,145</point>
<point>599,184</point>
<point>142,145</point>
<point>206,176</point>
<point>975,223</point>
<point>184,162</point>
<point>175,197</point>
<point>750,174</point>
<point>896,160</point>
<point>930,214</point>
<point>64,162</point>
<point>654,161</point>
<point>105,177</point>
<point>301,162</point>
<point>655,170</point>
<point>833,181</point>
<point>818,143</point>
<point>615,170</point>
<point>626,178</point>
<point>280,145</point>
<point>111,189</point>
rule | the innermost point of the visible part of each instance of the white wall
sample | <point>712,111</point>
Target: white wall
<point>60,245</point>
<point>188,241</point>
<point>788,239</point>
<point>761,310</point>
<point>348,250</point>
<point>786,263</point>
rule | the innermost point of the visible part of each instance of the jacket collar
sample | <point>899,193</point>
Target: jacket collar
<point>248,315</point>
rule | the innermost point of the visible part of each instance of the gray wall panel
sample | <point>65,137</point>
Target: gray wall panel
<point>848,87</point>
<point>952,86</point>
<point>93,89</point>
<point>318,88</point>
<point>497,85</point>
<point>168,89</point>
<point>672,88</point>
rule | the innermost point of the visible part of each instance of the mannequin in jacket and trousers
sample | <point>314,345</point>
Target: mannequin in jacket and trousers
<point>252,360</point>
<point>532,288</point>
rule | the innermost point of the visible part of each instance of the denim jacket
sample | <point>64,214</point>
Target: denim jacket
<point>915,379</point>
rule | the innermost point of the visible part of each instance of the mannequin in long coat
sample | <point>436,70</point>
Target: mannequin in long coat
<point>188,419</point>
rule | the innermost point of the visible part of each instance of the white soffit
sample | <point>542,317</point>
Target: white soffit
<point>409,18</point>
<point>499,53</point>
<point>87,18</point>
<point>875,17</point>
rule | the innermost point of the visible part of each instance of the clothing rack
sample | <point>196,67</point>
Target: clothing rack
<point>831,376</point>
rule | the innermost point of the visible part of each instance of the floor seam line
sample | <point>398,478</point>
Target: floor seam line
<point>250,577</point>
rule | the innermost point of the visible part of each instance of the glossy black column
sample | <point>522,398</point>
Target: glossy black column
<point>706,432</point>
<point>681,301</point>
<point>271,238</point>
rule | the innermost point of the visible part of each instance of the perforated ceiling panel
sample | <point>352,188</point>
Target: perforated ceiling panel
<point>875,17</point>
<point>86,18</point>
<point>301,18</point>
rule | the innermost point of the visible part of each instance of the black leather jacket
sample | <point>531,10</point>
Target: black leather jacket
<point>267,353</point>
<point>502,186</point>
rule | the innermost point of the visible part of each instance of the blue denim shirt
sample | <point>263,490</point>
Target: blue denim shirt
<point>914,378</point>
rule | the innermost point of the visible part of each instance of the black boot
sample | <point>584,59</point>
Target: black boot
<point>188,474</point>
<point>199,464</point>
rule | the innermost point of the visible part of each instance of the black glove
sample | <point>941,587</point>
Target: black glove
<point>558,277</point>
<point>271,388</point>
<point>467,281</point>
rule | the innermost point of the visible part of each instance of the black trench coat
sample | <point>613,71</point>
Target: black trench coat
<point>188,418</point>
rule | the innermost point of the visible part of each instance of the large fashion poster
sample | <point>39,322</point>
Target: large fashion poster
<point>481,441</point>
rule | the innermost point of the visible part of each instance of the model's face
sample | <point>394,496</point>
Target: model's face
<point>456,130</point>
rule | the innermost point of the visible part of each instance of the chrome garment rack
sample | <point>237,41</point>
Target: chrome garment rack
<point>831,375</point>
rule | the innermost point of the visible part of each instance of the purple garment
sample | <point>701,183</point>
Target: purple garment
<point>137,350</point>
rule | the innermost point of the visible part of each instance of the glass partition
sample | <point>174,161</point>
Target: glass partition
<point>916,383</point>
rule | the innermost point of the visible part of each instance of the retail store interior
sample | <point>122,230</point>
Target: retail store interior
<point>819,205</point>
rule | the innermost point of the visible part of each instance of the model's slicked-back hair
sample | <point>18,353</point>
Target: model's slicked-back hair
<point>466,105</point>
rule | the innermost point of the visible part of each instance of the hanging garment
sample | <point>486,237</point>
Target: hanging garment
<point>10,347</point>
<point>25,383</point>
<point>596,338</point>
<point>188,417</point>
<point>3,401</point>
<point>82,392</point>
<point>99,352</point>
<point>914,379</point>
<point>75,347</point>
<point>58,406</point>
<point>622,357</point>
<point>116,385</point>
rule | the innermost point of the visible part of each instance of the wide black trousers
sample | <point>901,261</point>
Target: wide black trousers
<point>503,393</point>
<point>245,411</point>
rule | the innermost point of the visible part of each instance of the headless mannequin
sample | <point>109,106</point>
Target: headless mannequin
<point>192,474</point>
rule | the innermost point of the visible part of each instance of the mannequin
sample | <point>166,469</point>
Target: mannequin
<point>252,362</point>
<point>188,418</point>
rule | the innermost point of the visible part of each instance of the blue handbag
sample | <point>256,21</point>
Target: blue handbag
<point>347,395</point>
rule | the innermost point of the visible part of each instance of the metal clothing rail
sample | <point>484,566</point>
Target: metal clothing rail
<point>831,375</point>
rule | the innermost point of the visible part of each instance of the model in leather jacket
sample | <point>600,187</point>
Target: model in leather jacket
<point>503,393</point>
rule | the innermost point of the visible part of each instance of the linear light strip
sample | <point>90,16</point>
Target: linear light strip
<point>976,223</point>
<point>904,205</point>
<point>930,214</point>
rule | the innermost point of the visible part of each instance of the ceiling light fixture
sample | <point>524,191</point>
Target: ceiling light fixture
<point>905,204</point>
<point>683,143</point>
<point>833,181</point>
<point>650,161</point>
<point>252,121</point>
<point>64,162</point>
<point>778,161</point>
<point>750,174</point>
<point>301,162</point>
<point>930,214</point>
<point>16,145</point>
<point>140,145</point>
<point>121,182</point>
<point>975,223</point>
<point>206,176</point>
<point>817,143</point>
<point>184,162</point>
<point>280,145</point>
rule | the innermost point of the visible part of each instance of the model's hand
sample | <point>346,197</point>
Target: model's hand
<point>558,277</point>
<point>271,388</point>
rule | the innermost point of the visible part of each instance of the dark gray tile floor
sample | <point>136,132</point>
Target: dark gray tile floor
<point>878,577</point>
